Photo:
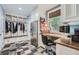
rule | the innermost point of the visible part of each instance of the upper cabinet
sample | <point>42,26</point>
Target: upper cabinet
<point>77,9</point>
<point>70,10</point>
<point>69,13</point>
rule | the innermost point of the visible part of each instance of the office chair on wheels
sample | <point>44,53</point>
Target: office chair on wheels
<point>48,45</point>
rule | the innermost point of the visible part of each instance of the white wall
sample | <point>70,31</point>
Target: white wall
<point>42,8</point>
<point>40,11</point>
<point>1,27</point>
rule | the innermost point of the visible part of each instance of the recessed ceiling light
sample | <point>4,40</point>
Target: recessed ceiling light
<point>20,8</point>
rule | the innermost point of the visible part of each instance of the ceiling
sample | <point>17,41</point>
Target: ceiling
<point>25,9</point>
<point>19,9</point>
<point>48,6</point>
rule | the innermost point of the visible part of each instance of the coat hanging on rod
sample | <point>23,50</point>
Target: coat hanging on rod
<point>13,27</point>
<point>6,27</point>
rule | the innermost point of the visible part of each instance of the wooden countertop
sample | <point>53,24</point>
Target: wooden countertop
<point>64,42</point>
<point>55,34</point>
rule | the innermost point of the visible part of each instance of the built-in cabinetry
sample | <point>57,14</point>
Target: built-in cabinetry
<point>70,15</point>
<point>70,10</point>
<point>16,28</point>
<point>77,9</point>
<point>63,50</point>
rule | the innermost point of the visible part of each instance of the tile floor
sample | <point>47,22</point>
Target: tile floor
<point>24,48</point>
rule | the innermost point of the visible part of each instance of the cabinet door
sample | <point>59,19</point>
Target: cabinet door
<point>70,10</point>
<point>63,50</point>
<point>77,9</point>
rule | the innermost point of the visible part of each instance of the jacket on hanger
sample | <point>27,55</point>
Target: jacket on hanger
<point>6,27</point>
<point>13,28</point>
<point>23,28</point>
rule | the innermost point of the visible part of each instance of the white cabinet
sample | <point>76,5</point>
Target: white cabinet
<point>77,9</point>
<point>70,10</point>
<point>63,50</point>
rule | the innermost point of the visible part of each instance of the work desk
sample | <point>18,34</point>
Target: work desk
<point>64,45</point>
<point>64,42</point>
<point>55,34</point>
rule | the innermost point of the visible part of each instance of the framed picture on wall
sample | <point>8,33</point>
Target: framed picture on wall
<point>54,18</point>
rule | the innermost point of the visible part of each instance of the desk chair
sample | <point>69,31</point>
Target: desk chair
<point>48,45</point>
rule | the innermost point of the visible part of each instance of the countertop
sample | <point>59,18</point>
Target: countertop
<point>55,34</point>
<point>63,40</point>
<point>67,43</point>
